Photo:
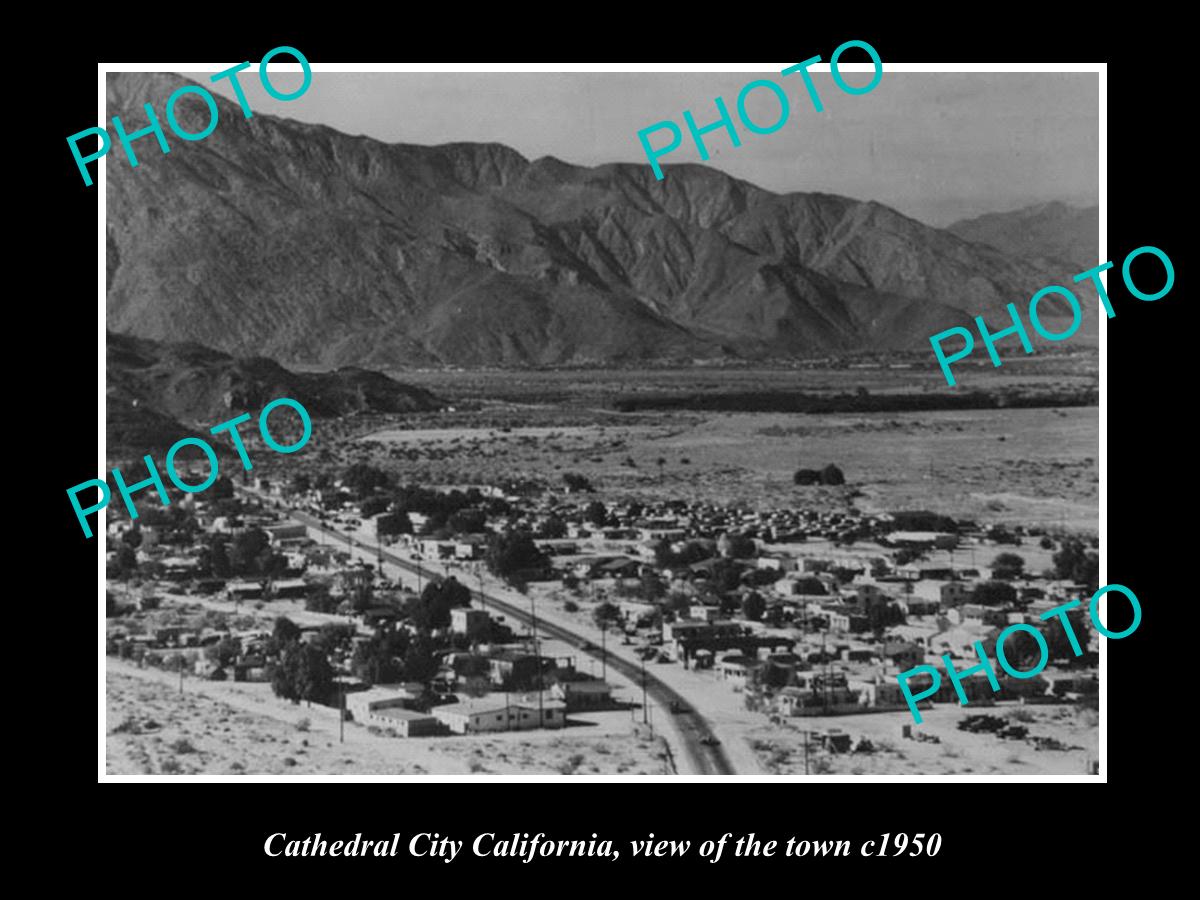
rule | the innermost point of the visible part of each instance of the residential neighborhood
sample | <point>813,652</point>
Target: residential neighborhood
<point>789,613</point>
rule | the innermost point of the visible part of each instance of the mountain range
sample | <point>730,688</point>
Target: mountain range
<point>1055,234</point>
<point>277,238</point>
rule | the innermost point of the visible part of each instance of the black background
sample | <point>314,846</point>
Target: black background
<point>173,830</point>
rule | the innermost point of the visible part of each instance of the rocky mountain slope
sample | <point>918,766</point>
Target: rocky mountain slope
<point>300,243</point>
<point>1055,234</point>
<point>155,387</point>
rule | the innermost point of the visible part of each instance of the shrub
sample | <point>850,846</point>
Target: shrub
<point>183,745</point>
<point>831,474</point>
<point>304,725</point>
<point>170,766</point>
<point>571,606</point>
<point>129,726</point>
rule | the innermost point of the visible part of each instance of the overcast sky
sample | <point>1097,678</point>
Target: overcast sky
<point>938,147</point>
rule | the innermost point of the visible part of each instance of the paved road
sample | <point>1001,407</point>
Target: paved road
<point>707,756</point>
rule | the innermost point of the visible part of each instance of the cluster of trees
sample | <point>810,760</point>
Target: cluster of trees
<point>440,507</point>
<point>393,523</point>
<point>596,513</point>
<point>1008,567</point>
<point>577,483</point>
<point>649,588</point>
<point>994,593</point>
<point>432,608</point>
<point>1022,650</point>
<point>831,474</point>
<point>393,656</point>
<point>248,554</point>
<point>689,553</point>
<point>553,528</point>
<point>1074,562</point>
<point>302,671</point>
<point>512,555</point>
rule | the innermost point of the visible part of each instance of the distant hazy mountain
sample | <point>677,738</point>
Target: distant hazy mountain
<point>1055,233</point>
<point>155,387</point>
<point>304,244</point>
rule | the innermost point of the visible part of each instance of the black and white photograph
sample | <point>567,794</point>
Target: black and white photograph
<point>627,424</point>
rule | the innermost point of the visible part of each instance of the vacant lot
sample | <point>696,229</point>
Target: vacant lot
<point>1022,466</point>
<point>781,747</point>
<point>220,728</point>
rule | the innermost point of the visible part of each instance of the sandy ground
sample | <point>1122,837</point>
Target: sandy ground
<point>781,747</point>
<point>1020,466</point>
<point>225,728</point>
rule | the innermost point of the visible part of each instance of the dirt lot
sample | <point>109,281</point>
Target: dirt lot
<point>240,729</point>
<point>1021,466</point>
<point>781,747</point>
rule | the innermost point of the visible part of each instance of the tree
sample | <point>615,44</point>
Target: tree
<point>737,546</point>
<point>1008,566</point>
<point>247,547</point>
<point>270,564</point>
<point>224,652</point>
<point>753,606</point>
<point>994,593</point>
<point>126,562</point>
<point>806,477</point>
<point>333,636</point>
<point>512,553</point>
<point>393,524</point>
<point>606,614</point>
<point>286,631</point>
<point>596,513</point>
<point>222,489</point>
<point>1075,563</point>
<point>419,663</point>
<point>467,521</point>
<point>374,505</point>
<point>432,609</point>
<point>577,483</point>
<point>362,479</point>
<point>319,599</point>
<point>218,560</point>
<point>380,659</point>
<point>283,676</point>
<point>553,528</point>
<point>652,587</point>
<point>132,537</point>
<point>303,673</point>
<point>881,616</point>
<point>831,474</point>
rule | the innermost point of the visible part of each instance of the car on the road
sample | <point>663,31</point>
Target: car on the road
<point>710,740</point>
<point>587,645</point>
<point>678,708</point>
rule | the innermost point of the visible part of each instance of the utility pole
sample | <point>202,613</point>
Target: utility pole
<point>181,673</point>
<point>806,736</point>
<point>645,708</point>
<point>603,651</point>
<point>537,655</point>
